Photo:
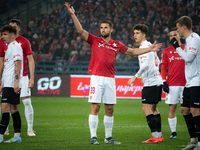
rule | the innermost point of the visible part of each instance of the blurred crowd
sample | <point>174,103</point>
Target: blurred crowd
<point>54,36</point>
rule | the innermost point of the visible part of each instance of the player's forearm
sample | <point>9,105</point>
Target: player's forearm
<point>31,68</point>
<point>77,24</point>
<point>140,51</point>
<point>17,70</point>
<point>188,57</point>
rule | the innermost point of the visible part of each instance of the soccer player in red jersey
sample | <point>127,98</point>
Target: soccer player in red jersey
<point>174,84</point>
<point>27,83</point>
<point>101,67</point>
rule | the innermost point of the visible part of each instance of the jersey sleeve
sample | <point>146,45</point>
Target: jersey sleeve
<point>27,48</point>
<point>144,60</point>
<point>2,48</point>
<point>123,48</point>
<point>193,47</point>
<point>164,57</point>
<point>90,38</point>
<point>17,53</point>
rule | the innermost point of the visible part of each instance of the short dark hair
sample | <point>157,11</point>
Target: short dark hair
<point>186,21</point>
<point>173,29</point>
<point>142,27</point>
<point>18,22</point>
<point>109,22</point>
<point>9,29</point>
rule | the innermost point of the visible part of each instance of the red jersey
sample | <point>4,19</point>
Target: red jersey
<point>102,62</point>
<point>176,66</point>
<point>27,50</point>
<point>3,48</point>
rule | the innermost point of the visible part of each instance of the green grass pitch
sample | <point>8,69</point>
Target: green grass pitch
<point>61,123</point>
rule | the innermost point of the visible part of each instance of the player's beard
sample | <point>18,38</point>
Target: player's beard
<point>105,36</point>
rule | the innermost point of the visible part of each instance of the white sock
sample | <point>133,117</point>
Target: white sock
<point>28,113</point>
<point>1,136</point>
<point>17,135</point>
<point>172,124</point>
<point>159,134</point>
<point>93,123</point>
<point>108,123</point>
<point>154,134</point>
<point>194,140</point>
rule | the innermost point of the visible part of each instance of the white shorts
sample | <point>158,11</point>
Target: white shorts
<point>25,91</point>
<point>102,88</point>
<point>175,92</point>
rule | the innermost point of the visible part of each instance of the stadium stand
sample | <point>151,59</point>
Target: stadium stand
<point>54,38</point>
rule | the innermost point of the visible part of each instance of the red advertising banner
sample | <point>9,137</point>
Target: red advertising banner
<point>80,85</point>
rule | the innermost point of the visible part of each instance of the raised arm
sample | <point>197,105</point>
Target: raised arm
<point>77,24</point>
<point>139,51</point>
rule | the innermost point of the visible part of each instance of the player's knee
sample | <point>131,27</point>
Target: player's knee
<point>185,110</point>
<point>110,110</point>
<point>195,111</point>
<point>95,108</point>
<point>27,102</point>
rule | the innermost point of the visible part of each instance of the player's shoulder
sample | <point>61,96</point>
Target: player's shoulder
<point>167,49</point>
<point>21,39</point>
<point>145,44</point>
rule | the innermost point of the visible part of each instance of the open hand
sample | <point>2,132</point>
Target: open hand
<point>70,9</point>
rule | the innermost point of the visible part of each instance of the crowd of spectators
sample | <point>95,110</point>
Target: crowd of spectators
<point>54,33</point>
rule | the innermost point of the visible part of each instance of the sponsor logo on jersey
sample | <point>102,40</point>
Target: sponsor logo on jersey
<point>16,55</point>
<point>6,60</point>
<point>172,58</point>
<point>192,48</point>
<point>109,47</point>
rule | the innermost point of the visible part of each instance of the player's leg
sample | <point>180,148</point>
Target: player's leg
<point>195,110</point>
<point>16,124</point>
<point>172,120</point>
<point>157,94</point>
<point>95,95</point>
<point>26,99</point>
<point>5,109</point>
<point>172,100</point>
<point>93,122</point>
<point>109,99</point>
<point>185,110</point>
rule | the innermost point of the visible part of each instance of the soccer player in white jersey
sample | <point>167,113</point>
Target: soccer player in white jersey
<point>13,65</point>
<point>174,83</point>
<point>102,83</point>
<point>190,108</point>
<point>151,92</point>
<point>27,83</point>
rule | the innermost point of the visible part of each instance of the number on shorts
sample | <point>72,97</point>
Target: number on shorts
<point>92,90</point>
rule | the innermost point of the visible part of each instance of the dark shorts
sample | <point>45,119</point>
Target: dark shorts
<point>151,94</point>
<point>9,96</point>
<point>191,97</point>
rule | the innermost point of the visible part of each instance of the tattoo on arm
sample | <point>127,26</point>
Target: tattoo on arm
<point>17,69</point>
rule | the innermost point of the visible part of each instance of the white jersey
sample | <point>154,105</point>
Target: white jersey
<point>149,67</point>
<point>12,54</point>
<point>192,65</point>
